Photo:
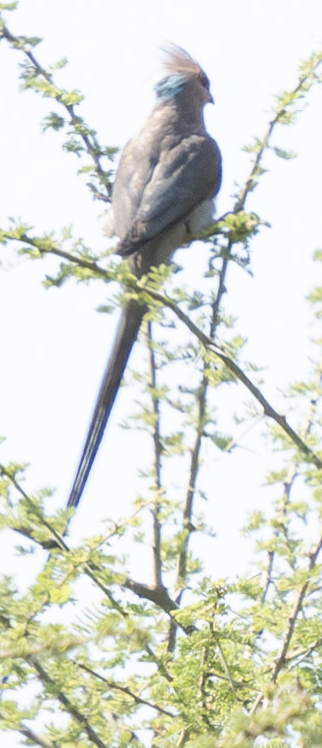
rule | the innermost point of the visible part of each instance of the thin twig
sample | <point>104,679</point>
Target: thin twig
<point>67,704</point>
<point>158,595</point>
<point>35,737</point>
<point>90,142</point>
<point>127,691</point>
<point>280,659</point>
<point>209,344</point>
<point>59,541</point>
<point>74,259</point>
<point>226,667</point>
<point>156,545</point>
<point>292,475</point>
<point>267,580</point>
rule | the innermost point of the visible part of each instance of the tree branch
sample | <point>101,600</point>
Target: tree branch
<point>156,546</point>
<point>209,344</point>
<point>89,140</point>
<point>35,737</point>
<point>280,659</point>
<point>67,704</point>
<point>127,691</point>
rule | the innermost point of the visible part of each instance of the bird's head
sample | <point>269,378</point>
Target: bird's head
<point>184,75</point>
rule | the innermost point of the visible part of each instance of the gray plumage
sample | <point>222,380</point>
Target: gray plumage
<point>163,196</point>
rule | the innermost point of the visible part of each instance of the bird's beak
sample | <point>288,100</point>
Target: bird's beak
<point>210,98</point>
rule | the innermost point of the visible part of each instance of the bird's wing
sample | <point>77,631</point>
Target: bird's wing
<point>163,190</point>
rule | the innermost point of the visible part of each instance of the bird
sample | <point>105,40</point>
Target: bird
<point>167,178</point>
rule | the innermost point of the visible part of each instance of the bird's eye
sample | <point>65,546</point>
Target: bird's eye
<point>204,81</point>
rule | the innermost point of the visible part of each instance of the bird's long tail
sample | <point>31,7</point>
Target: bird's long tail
<point>126,335</point>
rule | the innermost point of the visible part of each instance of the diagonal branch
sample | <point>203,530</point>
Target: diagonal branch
<point>36,738</point>
<point>209,344</point>
<point>67,704</point>
<point>281,657</point>
<point>58,539</point>
<point>127,691</point>
<point>156,594</point>
<point>89,140</point>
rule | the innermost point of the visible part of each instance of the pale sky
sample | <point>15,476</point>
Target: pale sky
<point>54,345</point>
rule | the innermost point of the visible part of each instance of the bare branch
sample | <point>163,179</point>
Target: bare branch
<point>36,738</point>
<point>127,691</point>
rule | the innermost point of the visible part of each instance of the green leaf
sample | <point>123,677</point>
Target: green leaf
<point>284,154</point>
<point>9,6</point>
<point>59,64</point>
<point>69,98</point>
<point>53,120</point>
<point>72,145</point>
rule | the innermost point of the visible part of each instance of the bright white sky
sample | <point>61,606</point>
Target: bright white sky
<point>53,344</point>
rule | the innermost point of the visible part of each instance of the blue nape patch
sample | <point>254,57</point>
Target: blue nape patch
<point>170,87</point>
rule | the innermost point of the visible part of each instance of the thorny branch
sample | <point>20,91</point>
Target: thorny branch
<point>127,691</point>
<point>91,145</point>
<point>70,708</point>
<point>155,594</point>
<point>202,685</point>
<point>67,704</point>
<point>281,657</point>
<point>58,540</point>
<point>36,738</point>
<point>74,259</point>
<point>292,475</point>
<point>209,344</point>
<point>156,543</point>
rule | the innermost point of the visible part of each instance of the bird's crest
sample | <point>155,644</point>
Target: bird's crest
<point>177,60</point>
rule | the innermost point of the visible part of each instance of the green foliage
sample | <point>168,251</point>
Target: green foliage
<point>54,121</point>
<point>281,153</point>
<point>81,138</point>
<point>8,6</point>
